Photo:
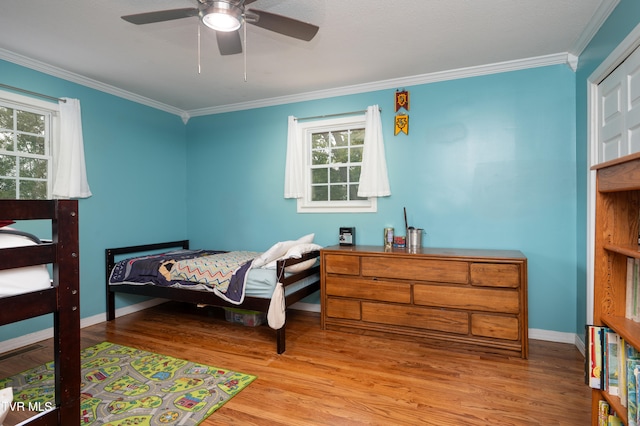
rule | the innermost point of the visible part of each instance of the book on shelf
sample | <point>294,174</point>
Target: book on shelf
<point>606,417</point>
<point>612,358</point>
<point>594,376</point>
<point>632,290</point>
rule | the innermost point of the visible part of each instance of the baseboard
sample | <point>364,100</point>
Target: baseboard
<point>303,306</point>
<point>38,336</point>
<point>29,339</point>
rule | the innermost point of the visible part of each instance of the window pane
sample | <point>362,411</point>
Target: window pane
<point>8,189</point>
<point>354,174</point>
<point>319,176</point>
<point>31,144</point>
<point>33,190</point>
<point>353,192</point>
<point>341,138</point>
<point>7,166</point>
<point>6,118</point>
<point>320,141</point>
<point>6,141</point>
<point>319,193</point>
<point>30,122</point>
<point>341,155</point>
<point>357,137</point>
<point>33,168</point>
<point>338,174</point>
<point>356,155</point>
<point>319,157</point>
<point>338,193</point>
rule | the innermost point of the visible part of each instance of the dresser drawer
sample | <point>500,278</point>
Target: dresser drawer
<point>416,269</point>
<point>343,308</point>
<point>470,298</point>
<point>340,264</point>
<point>416,317</point>
<point>495,326</point>
<point>495,275</point>
<point>384,291</point>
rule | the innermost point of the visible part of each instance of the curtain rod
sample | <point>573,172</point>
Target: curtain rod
<point>29,92</point>
<point>335,115</point>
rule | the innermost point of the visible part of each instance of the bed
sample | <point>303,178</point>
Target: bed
<point>272,280</point>
<point>60,298</point>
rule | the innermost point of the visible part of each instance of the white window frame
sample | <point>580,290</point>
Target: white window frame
<point>305,205</point>
<point>52,128</point>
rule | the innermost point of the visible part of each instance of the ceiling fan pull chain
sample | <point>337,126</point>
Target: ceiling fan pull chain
<point>244,50</point>
<point>199,67</point>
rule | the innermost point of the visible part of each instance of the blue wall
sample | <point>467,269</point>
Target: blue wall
<point>136,162</point>
<point>620,23</point>
<point>489,163</point>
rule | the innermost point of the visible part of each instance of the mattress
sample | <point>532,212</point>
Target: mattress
<point>21,280</point>
<point>260,282</point>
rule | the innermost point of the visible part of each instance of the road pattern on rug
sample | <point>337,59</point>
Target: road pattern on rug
<point>128,386</point>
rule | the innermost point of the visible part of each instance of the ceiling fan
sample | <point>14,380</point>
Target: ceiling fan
<point>226,17</point>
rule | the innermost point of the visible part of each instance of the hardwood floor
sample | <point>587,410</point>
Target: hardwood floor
<point>336,378</point>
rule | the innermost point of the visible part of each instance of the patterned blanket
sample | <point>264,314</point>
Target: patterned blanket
<point>225,273</point>
<point>197,269</point>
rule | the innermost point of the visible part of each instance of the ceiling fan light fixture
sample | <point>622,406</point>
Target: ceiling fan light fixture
<point>222,16</point>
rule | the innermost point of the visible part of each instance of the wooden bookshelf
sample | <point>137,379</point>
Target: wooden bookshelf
<point>616,239</point>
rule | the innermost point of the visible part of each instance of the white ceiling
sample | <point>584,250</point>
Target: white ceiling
<point>360,42</point>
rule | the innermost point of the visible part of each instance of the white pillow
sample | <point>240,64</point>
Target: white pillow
<point>296,252</point>
<point>299,249</point>
<point>278,250</point>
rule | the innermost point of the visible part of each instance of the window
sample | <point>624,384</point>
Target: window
<point>25,147</point>
<point>333,162</point>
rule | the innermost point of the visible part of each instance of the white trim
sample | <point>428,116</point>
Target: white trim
<point>596,21</point>
<point>38,336</point>
<point>519,64</point>
<point>87,82</point>
<point>539,61</point>
<point>615,58</point>
<point>552,336</point>
<point>307,307</point>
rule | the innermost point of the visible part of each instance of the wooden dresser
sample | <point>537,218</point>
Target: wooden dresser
<point>457,296</point>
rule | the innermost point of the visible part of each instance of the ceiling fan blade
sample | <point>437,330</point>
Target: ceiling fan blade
<point>284,25</point>
<point>161,15</point>
<point>229,43</point>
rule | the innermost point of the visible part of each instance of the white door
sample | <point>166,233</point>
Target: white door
<point>619,111</point>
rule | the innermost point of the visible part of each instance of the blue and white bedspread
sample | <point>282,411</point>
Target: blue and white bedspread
<point>224,273</point>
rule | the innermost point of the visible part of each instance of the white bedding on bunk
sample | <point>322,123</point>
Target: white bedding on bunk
<point>21,280</point>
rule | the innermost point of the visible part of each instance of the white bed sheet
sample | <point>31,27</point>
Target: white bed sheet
<point>21,280</point>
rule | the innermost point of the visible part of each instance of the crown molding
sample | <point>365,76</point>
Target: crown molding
<point>600,15</point>
<point>88,82</point>
<point>540,61</point>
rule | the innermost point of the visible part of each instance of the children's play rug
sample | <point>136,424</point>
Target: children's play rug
<point>127,386</point>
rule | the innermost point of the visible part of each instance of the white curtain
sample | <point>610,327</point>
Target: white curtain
<point>294,165</point>
<point>374,180</point>
<point>70,175</point>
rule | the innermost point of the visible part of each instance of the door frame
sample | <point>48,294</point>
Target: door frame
<point>615,58</point>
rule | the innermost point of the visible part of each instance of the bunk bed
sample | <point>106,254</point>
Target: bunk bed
<point>61,299</point>
<point>296,285</point>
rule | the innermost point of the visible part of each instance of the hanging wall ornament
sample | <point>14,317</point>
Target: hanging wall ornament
<point>402,100</point>
<point>401,124</point>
